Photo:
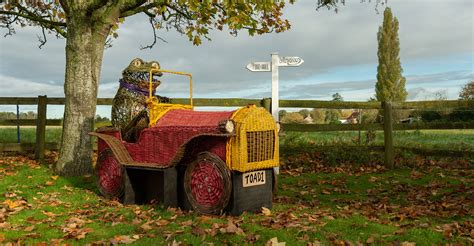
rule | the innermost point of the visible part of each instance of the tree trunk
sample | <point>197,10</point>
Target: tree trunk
<point>84,51</point>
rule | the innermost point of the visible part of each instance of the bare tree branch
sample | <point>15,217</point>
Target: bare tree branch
<point>34,17</point>
<point>40,20</point>
<point>155,37</point>
<point>43,39</point>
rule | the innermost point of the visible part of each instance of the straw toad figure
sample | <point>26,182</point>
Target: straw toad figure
<point>129,112</point>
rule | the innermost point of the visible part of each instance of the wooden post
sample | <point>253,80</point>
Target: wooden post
<point>40,128</point>
<point>267,104</point>
<point>360,122</point>
<point>388,134</point>
<point>18,122</point>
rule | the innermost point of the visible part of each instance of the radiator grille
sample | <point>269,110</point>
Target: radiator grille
<point>260,145</point>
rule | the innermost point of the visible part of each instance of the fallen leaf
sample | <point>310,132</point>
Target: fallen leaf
<point>408,244</point>
<point>72,225</point>
<point>146,226</point>
<point>122,239</point>
<point>448,232</point>
<point>198,231</point>
<point>315,243</point>
<point>49,214</point>
<point>162,222</point>
<point>136,221</point>
<point>29,228</point>
<point>2,237</point>
<point>326,192</point>
<point>54,177</point>
<point>329,217</point>
<point>274,242</point>
<point>13,204</point>
<point>266,211</point>
<point>49,183</point>
<point>187,223</point>
<point>252,237</point>
<point>232,229</point>
<point>370,240</point>
<point>174,243</point>
<point>4,225</point>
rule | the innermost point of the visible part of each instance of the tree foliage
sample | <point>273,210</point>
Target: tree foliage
<point>337,97</point>
<point>467,91</point>
<point>192,18</point>
<point>293,117</point>
<point>22,115</point>
<point>390,84</point>
<point>318,116</point>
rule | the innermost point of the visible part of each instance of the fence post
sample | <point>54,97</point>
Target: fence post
<point>40,128</point>
<point>388,134</point>
<point>267,104</point>
<point>18,121</point>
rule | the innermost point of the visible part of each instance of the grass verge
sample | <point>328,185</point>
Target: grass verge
<point>425,204</point>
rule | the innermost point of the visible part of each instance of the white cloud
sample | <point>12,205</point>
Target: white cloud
<point>325,40</point>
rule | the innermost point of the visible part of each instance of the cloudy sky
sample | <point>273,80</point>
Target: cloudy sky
<point>339,50</point>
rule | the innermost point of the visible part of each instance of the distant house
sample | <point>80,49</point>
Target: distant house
<point>352,119</point>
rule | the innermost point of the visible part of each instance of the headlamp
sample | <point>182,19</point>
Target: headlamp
<point>227,126</point>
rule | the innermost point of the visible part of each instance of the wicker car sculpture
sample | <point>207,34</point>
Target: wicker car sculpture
<point>210,162</point>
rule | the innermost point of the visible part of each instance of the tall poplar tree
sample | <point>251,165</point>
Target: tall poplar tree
<point>390,84</point>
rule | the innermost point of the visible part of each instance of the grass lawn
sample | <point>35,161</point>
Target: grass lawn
<point>316,204</point>
<point>462,139</point>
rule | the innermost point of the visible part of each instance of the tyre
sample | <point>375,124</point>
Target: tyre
<point>207,184</point>
<point>110,175</point>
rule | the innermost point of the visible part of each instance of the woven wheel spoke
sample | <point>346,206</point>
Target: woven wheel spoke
<point>109,175</point>
<point>207,184</point>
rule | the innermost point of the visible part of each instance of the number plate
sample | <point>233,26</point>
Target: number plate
<point>253,178</point>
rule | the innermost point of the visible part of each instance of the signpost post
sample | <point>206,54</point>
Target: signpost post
<point>277,61</point>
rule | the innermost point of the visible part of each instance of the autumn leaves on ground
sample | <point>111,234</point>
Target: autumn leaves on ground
<point>425,202</point>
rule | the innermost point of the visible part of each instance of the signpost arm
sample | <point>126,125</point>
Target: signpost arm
<point>275,96</point>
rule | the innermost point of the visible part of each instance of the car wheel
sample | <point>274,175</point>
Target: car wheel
<point>207,184</point>
<point>110,175</point>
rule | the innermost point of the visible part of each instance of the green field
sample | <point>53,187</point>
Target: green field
<point>430,139</point>
<point>459,140</point>
<point>316,205</point>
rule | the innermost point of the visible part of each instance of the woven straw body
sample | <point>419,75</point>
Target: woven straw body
<point>255,145</point>
<point>161,143</point>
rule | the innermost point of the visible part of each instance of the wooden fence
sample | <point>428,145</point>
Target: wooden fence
<point>388,126</point>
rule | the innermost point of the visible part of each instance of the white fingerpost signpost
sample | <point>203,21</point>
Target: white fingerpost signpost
<point>277,61</point>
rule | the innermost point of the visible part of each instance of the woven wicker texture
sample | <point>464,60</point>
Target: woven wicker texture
<point>255,145</point>
<point>195,119</point>
<point>160,144</point>
<point>207,184</point>
<point>109,175</point>
<point>158,110</point>
<point>132,94</point>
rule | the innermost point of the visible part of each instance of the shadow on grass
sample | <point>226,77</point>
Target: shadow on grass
<point>83,182</point>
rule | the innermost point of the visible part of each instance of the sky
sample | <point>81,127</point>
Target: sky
<point>339,52</point>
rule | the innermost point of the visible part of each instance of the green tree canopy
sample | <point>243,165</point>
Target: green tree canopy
<point>467,91</point>
<point>390,84</point>
<point>337,97</point>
